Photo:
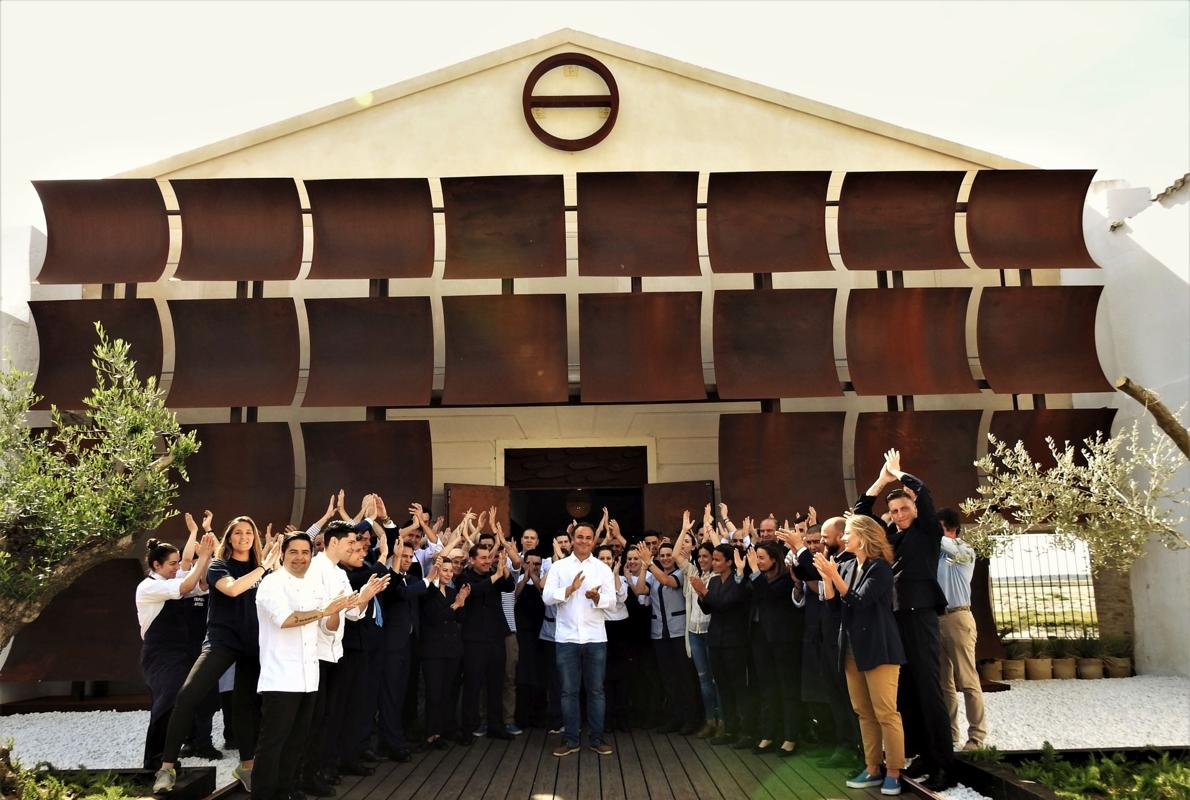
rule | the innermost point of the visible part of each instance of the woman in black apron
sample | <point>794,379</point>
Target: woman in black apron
<point>166,656</point>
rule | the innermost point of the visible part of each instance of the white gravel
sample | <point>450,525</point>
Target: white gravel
<point>962,792</point>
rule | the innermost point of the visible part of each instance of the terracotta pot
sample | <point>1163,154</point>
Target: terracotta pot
<point>1014,669</point>
<point>991,671</point>
<point>1117,667</point>
<point>1039,669</point>
<point>1065,668</point>
<point>1090,668</point>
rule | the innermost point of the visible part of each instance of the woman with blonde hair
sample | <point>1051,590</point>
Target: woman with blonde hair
<point>870,648</point>
<point>232,638</point>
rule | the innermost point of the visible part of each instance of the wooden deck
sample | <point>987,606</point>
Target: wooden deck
<point>645,766</point>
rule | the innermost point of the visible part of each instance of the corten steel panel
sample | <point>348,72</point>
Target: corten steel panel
<point>767,221</point>
<point>66,338</point>
<point>242,468</point>
<point>782,463</point>
<point>1040,339</point>
<point>642,347</point>
<point>665,502</point>
<point>371,228</point>
<point>108,231</point>
<point>370,351</point>
<point>1063,424</point>
<point>234,352</point>
<point>775,343</point>
<point>1028,219</point>
<point>568,467</point>
<point>478,498</point>
<point>505,227</point>
<point>392,459</point>
<point>637,223</point>
<point>899,220</point>
<point>936,446</point>
<point>505,349</point>
<point>908,341</point>
<point>86,633</point>
<point>239,229</point>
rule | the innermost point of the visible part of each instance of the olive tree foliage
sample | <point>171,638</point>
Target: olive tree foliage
<point>1113,499</point>
<point>78,493</point>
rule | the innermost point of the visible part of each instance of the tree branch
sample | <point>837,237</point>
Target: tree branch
<point>1161,414</point>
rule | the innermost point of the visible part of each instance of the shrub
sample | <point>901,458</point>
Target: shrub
<point>1153,777</point>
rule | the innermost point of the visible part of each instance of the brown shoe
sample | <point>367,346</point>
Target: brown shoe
<point>565,749</point>
<point>603,748</point>
<point>707,731</point>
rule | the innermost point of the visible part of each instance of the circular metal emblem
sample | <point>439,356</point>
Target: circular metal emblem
<point>610,101</point>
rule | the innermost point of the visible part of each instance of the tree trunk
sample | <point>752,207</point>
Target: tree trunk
<point>1161,414</point>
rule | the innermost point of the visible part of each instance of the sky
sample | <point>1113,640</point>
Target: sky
<point>90,89</point>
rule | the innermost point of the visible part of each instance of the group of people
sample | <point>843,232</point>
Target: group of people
<point>327,648</point>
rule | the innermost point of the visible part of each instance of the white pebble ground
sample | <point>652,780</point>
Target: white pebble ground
<point>1128,712</point>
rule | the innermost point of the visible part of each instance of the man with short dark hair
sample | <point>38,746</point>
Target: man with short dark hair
<point>484,630</point>
<point>956,565</point>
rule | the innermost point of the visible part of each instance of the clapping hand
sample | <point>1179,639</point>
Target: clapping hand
<point>207,545</point>
<point>191,525</point>
<point>461,597</point>
<point>699,585</point>
<point>272,556</point>
<point>752,560</point>
<point>575,584</point>
<point>593,595</point>
<point>825,566</point>
<point>739,561</point>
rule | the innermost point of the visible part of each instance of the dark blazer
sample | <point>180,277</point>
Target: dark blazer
<point>867,611</point>
<point>830,615</point>
<point>362,634</point>
<point>483,618</point>
<point>401,617</point>
<point>776,615</point>
<point>441,633</point>
<point>728,604</point>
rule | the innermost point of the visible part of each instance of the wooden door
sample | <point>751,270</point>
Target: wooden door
<point>665,502</point>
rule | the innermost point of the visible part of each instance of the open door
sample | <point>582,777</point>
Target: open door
<point>665,502</point>
<point>479,498</point>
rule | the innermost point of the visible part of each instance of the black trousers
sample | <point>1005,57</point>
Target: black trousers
<point>553,686</point>
<point>778,669</point>
<point>203,676</point>
<point>312,755</point>
<point>350,675</point>
<point>729,665</point>
<point>393,694</point>
<point>679,681</point>
<point>842,715</point>
<point>483,665</point>
<point>284,726</point>
<point>441,695</point>
<point>919,692</point>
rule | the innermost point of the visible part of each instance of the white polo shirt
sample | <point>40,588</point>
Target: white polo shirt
<point>288,656</point>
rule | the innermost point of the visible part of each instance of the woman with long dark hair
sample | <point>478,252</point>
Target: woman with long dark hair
<point>697,625</point>
<point>776,647</point>
<point>232,638</point>
<point>166,656</point>
<point>727,601</point>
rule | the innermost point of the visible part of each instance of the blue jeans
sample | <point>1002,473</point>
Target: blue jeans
<point>579,665</point>
<point>701,655</point>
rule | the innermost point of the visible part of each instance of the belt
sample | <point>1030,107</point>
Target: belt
<point>958,608</point>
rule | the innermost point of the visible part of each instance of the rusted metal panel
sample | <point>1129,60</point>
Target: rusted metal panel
<point>107,231</point>
<point>936,446</point>
<point>1072,425</point>
<point>370,351</point>
<point>1040,339</point>
<point>641,347</point>
<point>1029,219</point>
<point>899,220</point>
<point>234,353</point>
<point>908,341</point>
<point>767,221</point>
<point>637,223</point>
<point>505,349</point>
<point>665,502</point>
<point>86,633</point>
<point>371,228</point>
<point>66,339</point>
<point>239,229</point>
<point>241,468</point>
<point>392,459</point>
<point>505,227</point>
<point>775,343</point>
<point>781,464</point>
<point>568,467</point>
<point>462,497</point>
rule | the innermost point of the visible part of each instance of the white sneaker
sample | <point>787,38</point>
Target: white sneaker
<point>164,780</point>
<point>244,776</point>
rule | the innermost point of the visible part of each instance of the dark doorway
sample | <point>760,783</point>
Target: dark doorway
<point>549,511</point>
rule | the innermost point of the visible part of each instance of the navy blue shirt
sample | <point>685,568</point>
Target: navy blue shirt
<point>231,621</point>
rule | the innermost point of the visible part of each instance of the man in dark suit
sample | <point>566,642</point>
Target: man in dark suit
<point>916,536</point>
<point>484,629</point>
<point>401,619</point>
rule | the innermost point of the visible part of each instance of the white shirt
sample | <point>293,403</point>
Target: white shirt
<point>334,583</point>
<point>579,619</point>
<point>288,656</point>
<point>619,610</point>
<point>151,595</point>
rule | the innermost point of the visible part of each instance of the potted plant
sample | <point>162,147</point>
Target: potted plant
<point>1117,657</point>
<point>991,669</point>
<point>1038,665</point>
<point>1088,649</point>
<point>1065,667</point>
<point>1014,661</point>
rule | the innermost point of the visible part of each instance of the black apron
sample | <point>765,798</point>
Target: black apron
<point>167,656</point>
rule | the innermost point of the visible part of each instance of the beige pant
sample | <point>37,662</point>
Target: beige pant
<point>957,632</point>
<point>874,698</point>
<point>510,659</point>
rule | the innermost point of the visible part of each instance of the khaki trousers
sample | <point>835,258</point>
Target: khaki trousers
<point>957,634</point>
<point>874,699</point>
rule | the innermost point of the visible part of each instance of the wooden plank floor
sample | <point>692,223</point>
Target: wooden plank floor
<point>645,766</point>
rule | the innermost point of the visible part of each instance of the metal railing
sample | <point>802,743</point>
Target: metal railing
<point>1040,590</point>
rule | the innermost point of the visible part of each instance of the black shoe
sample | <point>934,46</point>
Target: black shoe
<point>331,776</point>
<point>438,744</point>
<point>742,743</point>
<point>464,739</point>
<point>500,733</point>
<point>920,769</point>
<point>939,781</point>
<point>204,750</point>
<point>296,794</point>
<point>368,755</point>
<point>690,729</point>
<point>401,756</point>
<point>315,786</point>
<point>722,739</point>
<point>672,727</point>
<point>355,768</point>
